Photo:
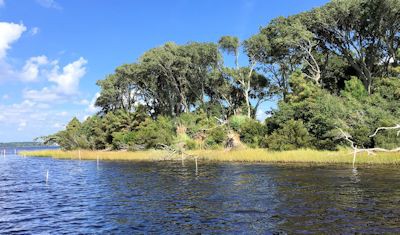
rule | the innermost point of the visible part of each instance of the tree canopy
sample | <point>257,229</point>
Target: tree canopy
<point>335,66</point>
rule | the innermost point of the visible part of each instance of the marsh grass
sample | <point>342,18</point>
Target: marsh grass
<point>343,156</point>
<point>149,155</point>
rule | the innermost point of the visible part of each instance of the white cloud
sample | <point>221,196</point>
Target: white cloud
<point>84,102</point>
<point>62,114</point>
<point>2,3</point>
<point>34,31</point>
<point>44,95</point>
<point>38,114</point>
<point>30,71</point>
<point>58,125</point>
<point>67,81</point>
<point>49,4</point>
<point>21,125</point>
<point>9,33</point>
<point>92,107</point>
<point>31,119</point>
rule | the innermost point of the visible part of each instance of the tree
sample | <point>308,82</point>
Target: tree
<point>364,32</point>
<point>290,37</point>
<point>70,138</point>
<point>171,79</point>
<point>242,76</point>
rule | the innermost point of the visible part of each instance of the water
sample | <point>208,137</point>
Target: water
<point>123,197</point>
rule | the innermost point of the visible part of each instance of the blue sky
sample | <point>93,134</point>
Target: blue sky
<point>52,52</point>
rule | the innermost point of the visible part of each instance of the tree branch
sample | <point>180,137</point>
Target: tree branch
<point>386,128</point>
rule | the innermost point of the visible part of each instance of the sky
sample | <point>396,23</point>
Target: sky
<point>52,52</point>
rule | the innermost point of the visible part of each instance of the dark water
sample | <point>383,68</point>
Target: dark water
<point>121,197</point>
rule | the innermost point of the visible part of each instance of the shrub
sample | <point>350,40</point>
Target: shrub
<point>252,132</point>
<point>185,140</point>
<point>292,135</point>
<point>237,121</point>
<point>152,133</point>
<point>216,136</point>
<point>123,140</point>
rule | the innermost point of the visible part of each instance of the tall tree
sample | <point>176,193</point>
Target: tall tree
<point>365,32</point>
<point>242,76</point>
<point>168,80</point>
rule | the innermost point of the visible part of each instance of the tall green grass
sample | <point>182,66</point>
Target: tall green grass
<point>149,155</point>
<point>244,155</point>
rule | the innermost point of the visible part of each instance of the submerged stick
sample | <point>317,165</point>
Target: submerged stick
<point>195,159</point>
<point>47,176</point>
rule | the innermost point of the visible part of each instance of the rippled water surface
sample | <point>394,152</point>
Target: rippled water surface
<point>166,197</point>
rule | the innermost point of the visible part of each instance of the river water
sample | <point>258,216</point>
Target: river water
<point>166,197</point>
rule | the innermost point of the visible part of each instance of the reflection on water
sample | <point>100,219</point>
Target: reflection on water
<point>122,197</point>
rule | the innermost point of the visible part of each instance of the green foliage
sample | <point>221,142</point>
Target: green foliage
<point>123,140</point>
<point>320,112</point>
<point>301,88</point>
<point>237,121</point>
<point>291,135</point>
<point>354,88</point>
<point>71,138</point>
<point>194,122</point>
<point>216,137</point>
<point>152,133</point>
<point>183,140</point>
<point>251,131</point>
<point>229,44</point>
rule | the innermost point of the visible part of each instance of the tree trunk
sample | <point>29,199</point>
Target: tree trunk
<point>248,104</point>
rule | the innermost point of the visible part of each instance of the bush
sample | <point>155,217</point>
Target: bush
<point>188,143</point>
<point>251,131</point>
<point>152,133</point>
<point>193,122</point>
<point>354,88</point>
<point>216,136</point>
<point>237,121</point>
<point>292,135</point>
<point>122,140</point>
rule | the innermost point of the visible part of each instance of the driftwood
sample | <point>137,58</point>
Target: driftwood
<point>386,128</point>
<point>370,151</point>
<point>175,154</point>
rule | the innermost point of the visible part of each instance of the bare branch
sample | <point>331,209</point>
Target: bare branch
<point>386,128</point>
<point>347,137</point>
<point>370,151</point>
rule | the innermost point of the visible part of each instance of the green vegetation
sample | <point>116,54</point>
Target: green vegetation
<point>336,66</point>
<point>306,156</point>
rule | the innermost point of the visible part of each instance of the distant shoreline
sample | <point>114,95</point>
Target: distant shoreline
<point>24,144</point>
<point>304,156</point>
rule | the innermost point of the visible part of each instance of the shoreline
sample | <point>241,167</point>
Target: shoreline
<point>302,156</point>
